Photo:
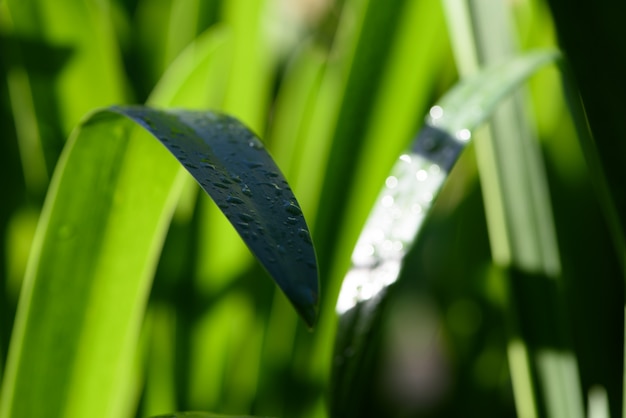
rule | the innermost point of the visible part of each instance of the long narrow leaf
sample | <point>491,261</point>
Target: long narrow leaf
<point>400,210</point>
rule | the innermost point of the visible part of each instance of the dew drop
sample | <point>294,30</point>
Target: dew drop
<point>220,185</point>
<point>291,220</point>
<point>292,208</point>
<point>245,217</point>
<point>253,164</point>
<point>234,199</point>
<point>243,224</point>
<point>436,112</point>
<point>464,135</point>
<point>246,190</point>
<point>391,182</point>
<point>304,234</point>
<point>255,143</point>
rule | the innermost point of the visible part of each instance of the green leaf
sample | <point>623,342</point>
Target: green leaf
<point>104,207</point>
<point>232,166</point>
<point>399,213</point>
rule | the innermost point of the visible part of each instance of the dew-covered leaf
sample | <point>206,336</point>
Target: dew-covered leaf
<point>231,164</point>
<point>399,213</point>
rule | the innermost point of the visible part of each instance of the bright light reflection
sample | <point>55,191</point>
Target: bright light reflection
<point>388,201</point>
<point>391,182</point>
<point>464,134</point>
<point>421,175</point>
<point>365,283</point>
<point>406,158</point>
<point>436,112</point>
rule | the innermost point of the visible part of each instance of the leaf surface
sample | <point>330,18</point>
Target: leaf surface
<point>399,213</point>
<point>230,163</point>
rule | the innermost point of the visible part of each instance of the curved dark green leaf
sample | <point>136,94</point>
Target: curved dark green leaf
<point>99,238</point>
<point>398,215</point>
<point>231,164</point>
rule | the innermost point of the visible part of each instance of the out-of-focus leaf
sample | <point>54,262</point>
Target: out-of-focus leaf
<point>399,212</point>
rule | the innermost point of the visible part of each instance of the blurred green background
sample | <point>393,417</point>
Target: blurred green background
<point>336,90</point>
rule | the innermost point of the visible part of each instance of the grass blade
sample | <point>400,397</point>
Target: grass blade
<point>230,164</point>
<point>92,227</point>
<point>399,212</point>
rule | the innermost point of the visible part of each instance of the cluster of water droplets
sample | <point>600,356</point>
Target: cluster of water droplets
<point>391,228</point>
<point>226,158</point>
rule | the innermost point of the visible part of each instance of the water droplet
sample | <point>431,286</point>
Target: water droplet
<point>234,199</point>
<point>245,217</point>
<point>191,166</point>
<point>292,208</point>
<point>246,190</point>
<point>255,143</point>
<point>421,175</point>
<point>236,178</point>
<point>220,185</point>
<point>243,224</point>
<point>304,234</point>
<point>388,201</point>
<point>253,164</point>
<point>391,182</point>
<point>291,220</point>
<point>436,112</point>
<point>464,135</point>
<point>271,174</point>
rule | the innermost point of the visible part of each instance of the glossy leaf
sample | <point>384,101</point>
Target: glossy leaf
<point>232,166</point>
<point>399,212</point>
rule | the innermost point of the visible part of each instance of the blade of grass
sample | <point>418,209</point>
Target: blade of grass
<point>104,323</point>
<point>397,217</point>
<point>407,80</point>
<point>544,372</point>
<point>603,110</point>
<point>85,28</point>
<point>204,143</point>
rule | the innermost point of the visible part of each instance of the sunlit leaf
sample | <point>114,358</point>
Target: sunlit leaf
<point>399,213</point>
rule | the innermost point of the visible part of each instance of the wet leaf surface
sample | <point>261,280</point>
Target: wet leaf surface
<point>231,164</point>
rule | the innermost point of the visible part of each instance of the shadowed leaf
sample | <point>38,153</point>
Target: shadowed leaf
<point>232,166</point>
